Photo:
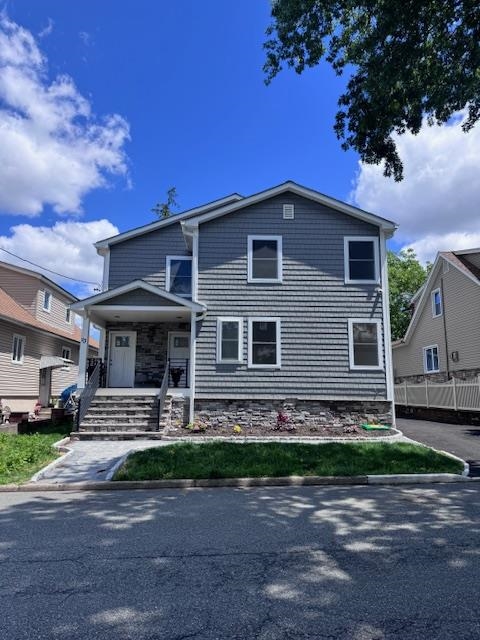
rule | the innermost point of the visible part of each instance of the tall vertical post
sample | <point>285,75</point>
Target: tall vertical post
<point>193,340</point>
<point>83,353</point>
<point>454,384</point>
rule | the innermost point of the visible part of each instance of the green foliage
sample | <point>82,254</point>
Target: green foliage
<point>164,209</point>
<point>276,459</point>
<point>408,59</point>
<point>22,455</point>
<point>406,275</point>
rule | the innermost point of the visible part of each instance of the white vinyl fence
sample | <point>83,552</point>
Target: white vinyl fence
<point>454,394</point>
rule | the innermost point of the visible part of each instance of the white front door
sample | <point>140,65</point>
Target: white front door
<point>122,350</point>
<point>179,358</point>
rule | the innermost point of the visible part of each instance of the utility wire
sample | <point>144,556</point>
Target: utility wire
<point>39,266</point>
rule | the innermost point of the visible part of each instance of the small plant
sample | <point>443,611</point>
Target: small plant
<point>196,427</point>
<point>176,373</point>
<point>283,422</point>
<point>237,429</point>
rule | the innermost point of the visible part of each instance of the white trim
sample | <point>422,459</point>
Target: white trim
<point>250,278</point>
<point>106,270</point>
<point>83,352</point>
<point>69,349</point>
<point>193,345</point>
<point>346,258</point>
<point>351,354</point>
<point>48,308</point>
<point>168,260</point>
<point>132,347</point>
<point>239,358</point>
<point>432,297</point>
<point>387,331</point>
<point>425,349</point>
<point>23,342</point>
<point>278,335</point>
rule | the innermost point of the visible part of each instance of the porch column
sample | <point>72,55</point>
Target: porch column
<point>83,353</point>
<point>101,347</point>
<point>193,341</point>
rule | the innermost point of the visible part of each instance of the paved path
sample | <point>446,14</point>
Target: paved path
<point>92,460</point>
<point>459,439</point>
<point>307,563</point>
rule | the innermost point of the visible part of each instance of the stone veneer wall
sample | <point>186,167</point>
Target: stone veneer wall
<point>312,414</point>
<point>442,376</point>
<point>152,348</point>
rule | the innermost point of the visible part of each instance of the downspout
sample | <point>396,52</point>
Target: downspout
<point>193,323</point>
<point>387,347</point>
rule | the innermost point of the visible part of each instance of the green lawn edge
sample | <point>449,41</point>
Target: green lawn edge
<point>216,460</point>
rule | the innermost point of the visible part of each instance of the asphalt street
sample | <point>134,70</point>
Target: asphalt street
<point>346,563</point>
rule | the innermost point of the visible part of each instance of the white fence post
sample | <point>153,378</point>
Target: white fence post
<point>454,383</point>
<point>406,390</point>
<point>426,392</point>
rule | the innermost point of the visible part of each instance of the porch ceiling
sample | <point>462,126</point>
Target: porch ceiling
<point>102,314</point>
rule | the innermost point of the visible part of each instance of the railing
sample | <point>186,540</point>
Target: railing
<point>91,364</point>
<point>454,394</point>
<point>178,370</point>
<point>161,397</point>
<point>87,395</point>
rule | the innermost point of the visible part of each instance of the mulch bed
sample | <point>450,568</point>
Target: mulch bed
<point>301,431</point>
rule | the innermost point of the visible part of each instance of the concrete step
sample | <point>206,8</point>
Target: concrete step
<point>116,435</point>
<point>121,402</point>
<point>122,414</point>
<point>112,423</point>
<point>119,426</point>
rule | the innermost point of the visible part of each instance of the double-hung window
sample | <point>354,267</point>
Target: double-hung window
<point>179,275</point>
<point>66,353</point>
<point>430,359</point>
<point>47,301</point>
<point>264,343</point>
<point>18,348</point>
<point>364,344</point>
<point>264,259</point>
<point>361,259</point>
<point>436,303</point>
<point>229,340</point>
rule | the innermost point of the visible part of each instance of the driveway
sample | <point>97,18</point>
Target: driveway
<point>459,439</point>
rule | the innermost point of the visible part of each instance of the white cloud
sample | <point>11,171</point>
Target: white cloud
<point>437,205</point>
<point>53,150</point>
<point>46,31</point>
<point>66,248</point>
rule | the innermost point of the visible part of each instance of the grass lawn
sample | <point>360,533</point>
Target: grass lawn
<point>231,460</point>
<point>22,455</point>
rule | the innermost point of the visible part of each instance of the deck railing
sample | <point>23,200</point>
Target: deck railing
<point>463,395</point>
<point>87,395</point>
<point>161,397</point>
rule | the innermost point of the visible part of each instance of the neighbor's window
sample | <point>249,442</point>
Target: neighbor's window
<point>430,359</point>
<point>264,259</point>
<point>47,300</point>
<point>436,303</point>
<point>264,342</point>
<point>18,348</point>
<point>66,353</point>
<point>68,315</point>
<point>361,259</point>
<point>229,340</point>
<point>179,275</point>
<point>364,344</point>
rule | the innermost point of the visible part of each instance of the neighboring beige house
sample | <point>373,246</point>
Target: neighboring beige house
<point>443,338</point>
<point>39,340</point>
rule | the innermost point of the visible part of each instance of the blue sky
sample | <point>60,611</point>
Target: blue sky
<point>186,82</point>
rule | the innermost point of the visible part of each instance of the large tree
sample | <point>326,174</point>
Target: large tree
<point>408,60</point>
<point>406,275</point>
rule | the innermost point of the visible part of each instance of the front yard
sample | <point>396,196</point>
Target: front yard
<point>274,459</point>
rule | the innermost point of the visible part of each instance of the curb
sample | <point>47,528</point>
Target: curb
<point>466,466</point>
<point>241,483</point>
<point>60,445</point>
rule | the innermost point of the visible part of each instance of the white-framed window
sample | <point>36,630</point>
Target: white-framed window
<point>178,275</point>
<point>430,359</point>
<point>361,260</point>
<point>68,315</point>
<point>264,259</point>
<point>229,340</point>
<point>66,353</point>
<point>264,342</point>
<point>436,303</point>
<point>364,344</point>
<point>47,301</point>
<point>18,348</point>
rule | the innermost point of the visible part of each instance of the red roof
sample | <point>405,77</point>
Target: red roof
<point>12,311</point>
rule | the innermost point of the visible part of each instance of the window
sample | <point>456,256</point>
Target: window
<point>122,342</point>
<point>229,340</point>
<point>264,343</point>
<point>66,353</point>
<point>436,303</point>
<point>68,316</point>
<point>18,348</point>
<point>364,344</point>
<point>179,275</point>
<point>264,259</point>
<point>47,301</point>
<point>361,259</point>
<point>430,359</point>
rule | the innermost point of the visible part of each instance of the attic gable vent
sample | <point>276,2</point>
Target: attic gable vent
<point>288,211</point>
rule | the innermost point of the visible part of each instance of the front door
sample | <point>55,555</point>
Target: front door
<point>179,358</point>
<point>122,350</point>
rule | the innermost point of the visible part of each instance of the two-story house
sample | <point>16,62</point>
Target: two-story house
<point>39,339</point>
<point>251,303</point>
<point>443,337</point>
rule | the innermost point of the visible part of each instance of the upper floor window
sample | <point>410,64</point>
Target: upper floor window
<point>18,348</point>
<point>364,344</point>
<point>47,301</point>
<point>66,353</point>
<point>264,343</point>
<point>430,359</point>
<point>436,303</point>
<point>264,258</point>
<point>68,315</point>
<point>361,259</point>
<point>229,340</point>
<point>179,275</point>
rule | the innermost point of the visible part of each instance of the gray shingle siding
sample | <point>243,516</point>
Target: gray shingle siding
<point>139,297</point>
<point>313,303</point>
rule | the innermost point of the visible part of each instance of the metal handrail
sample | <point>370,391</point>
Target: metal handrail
<point>161,397</point>
<point>87,395</point>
